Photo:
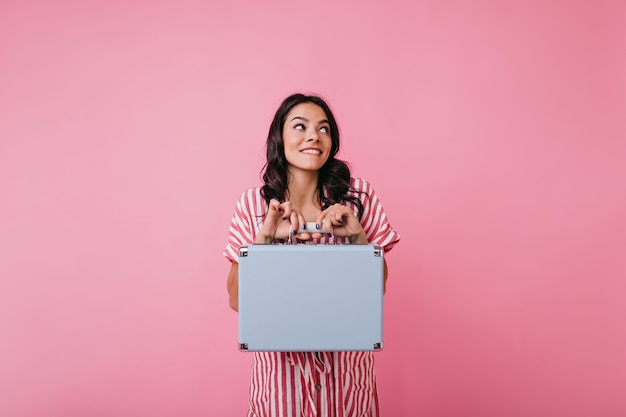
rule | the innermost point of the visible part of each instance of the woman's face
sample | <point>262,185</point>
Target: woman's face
<point>306,137</point>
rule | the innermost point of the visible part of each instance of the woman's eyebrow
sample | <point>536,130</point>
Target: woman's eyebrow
<point>321,122</point>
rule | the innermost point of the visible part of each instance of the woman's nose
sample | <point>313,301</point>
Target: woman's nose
<point>311,136</point>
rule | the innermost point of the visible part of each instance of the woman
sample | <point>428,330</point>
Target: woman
<point>306,191</point>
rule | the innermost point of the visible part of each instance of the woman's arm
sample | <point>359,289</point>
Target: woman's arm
<point>233,285</point>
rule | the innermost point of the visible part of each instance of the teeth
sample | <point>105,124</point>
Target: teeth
<point>312,151</point>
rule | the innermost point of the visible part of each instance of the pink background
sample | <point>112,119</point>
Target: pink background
<point>494,133</point>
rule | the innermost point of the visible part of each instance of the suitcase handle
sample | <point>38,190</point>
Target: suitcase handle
<point>309,227</point>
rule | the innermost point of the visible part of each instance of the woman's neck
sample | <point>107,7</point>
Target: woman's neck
<point>302,189</point>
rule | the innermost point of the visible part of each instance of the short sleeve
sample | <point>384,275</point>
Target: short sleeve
<point>242,230</point>
<point>374,220</point>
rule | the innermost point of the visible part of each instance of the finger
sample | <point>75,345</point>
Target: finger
<point>306,230</point>
<point>339,213</point>
<point>318,232</point>
<point>316,228</point>
<point>317,235</point>
<point>329,229</point>
<point>270,222</point>
<point>327,225</point>
<point>334,217</point>
<point>274,206</point>
<point>294,222</point>
<point>332,212</point>
<point>320,218</point>
<point>301,221</point>
<point>304,236</point>
<point>286,210</point>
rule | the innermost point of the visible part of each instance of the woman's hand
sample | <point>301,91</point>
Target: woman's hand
<point>280,222</point>
<point>341,221</point>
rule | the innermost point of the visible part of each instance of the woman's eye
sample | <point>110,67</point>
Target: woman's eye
<point>324,129</point>
<point>299,126</point>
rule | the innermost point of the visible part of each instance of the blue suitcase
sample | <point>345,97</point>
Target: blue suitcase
<point>307,297</point>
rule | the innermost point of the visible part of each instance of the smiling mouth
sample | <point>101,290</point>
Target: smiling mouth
<point>311,151</point>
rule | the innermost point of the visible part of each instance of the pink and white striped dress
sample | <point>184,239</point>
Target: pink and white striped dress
<point>306,384</point>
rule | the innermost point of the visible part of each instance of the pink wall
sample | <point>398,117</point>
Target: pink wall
<point>494,132</point>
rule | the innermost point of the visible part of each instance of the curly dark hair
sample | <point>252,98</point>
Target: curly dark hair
<point>334,177</point>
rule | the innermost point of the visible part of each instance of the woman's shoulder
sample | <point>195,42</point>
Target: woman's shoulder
<point>254,191</point>
<point>252,199</point>
<point>360,185</point>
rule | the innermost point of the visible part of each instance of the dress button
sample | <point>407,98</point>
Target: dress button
<point>318,387</point>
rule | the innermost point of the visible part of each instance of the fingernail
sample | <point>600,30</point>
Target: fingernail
<point>317,226</point>
<point>329,234</point>
<point>304,227</point>
<point>295,231</point>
